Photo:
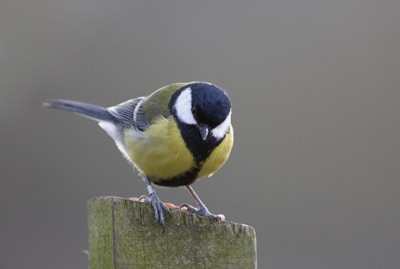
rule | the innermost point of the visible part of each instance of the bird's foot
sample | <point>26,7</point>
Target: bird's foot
<point>158,207</point>
<point>202,211</point>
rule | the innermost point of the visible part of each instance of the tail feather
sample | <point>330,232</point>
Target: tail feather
<point>94,112</point>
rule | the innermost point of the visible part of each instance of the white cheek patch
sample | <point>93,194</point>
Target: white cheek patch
<point>183,107</point>
<point>220,131</point>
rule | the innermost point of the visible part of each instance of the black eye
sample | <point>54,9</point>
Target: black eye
<point>197,114</point>
<point>194,111</point>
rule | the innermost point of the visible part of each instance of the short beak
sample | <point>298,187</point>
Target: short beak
<point>203,129</point>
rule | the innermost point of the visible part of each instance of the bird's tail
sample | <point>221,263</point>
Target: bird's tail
<point>90,111</point>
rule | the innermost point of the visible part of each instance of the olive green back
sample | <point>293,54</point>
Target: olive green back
<point>156,104</point>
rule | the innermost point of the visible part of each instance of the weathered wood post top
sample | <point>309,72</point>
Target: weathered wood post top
<point>122,234</point>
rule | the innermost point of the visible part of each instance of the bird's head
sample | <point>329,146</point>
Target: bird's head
<point>205,106</point>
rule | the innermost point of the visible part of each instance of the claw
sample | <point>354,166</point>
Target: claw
<point>202,211</point>
<point>158,207</point>
<point>155,202</point>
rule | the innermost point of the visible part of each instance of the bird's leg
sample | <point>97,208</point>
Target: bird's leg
<point>155,202</point>
<point>202,210</point>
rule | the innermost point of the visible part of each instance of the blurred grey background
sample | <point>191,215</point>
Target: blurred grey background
<point>315,86</point>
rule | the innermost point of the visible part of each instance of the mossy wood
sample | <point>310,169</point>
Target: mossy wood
<point>122,234</point>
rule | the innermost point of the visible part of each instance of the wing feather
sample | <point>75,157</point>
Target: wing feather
<point>130,114</point>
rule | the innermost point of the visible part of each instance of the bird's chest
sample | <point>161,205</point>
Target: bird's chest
<point>160,152</point>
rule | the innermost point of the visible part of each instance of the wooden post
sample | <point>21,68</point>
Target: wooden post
<point>122,234</point>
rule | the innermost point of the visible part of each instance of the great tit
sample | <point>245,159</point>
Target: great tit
<point>177,134</point>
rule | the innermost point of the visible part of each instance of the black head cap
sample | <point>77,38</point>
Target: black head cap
<point>210,104</point>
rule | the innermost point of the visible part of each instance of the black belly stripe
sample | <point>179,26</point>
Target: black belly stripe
<point>200,149</point>
<point>181,180</point>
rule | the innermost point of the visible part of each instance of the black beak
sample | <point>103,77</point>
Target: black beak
<point>204,130</point>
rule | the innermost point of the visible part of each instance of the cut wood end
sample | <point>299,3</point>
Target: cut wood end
<point>175,207</point>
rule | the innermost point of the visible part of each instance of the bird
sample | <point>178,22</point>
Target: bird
<point>178,134</point>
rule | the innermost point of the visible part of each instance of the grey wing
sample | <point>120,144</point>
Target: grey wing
<point>130,114</point>
<point>126,115</point>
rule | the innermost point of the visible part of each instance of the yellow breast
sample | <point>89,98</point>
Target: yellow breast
<point>218,157</point>
<point>161,152</point>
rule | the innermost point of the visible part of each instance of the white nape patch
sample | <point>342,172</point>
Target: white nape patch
<point>183,106</point>
<point>220,131</point>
